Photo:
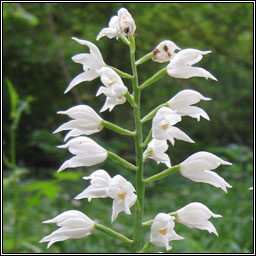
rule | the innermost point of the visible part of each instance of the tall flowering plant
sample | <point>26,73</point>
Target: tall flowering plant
<point>85,121</point>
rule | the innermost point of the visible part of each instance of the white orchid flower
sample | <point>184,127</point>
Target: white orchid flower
<point>91,64</point>
<point>162,231</point>
<point>164,51</point>
<point>114,88</point>
<point>181,65</point>
<point>112,30</point>
<point>182,102</point>
<point>125,21</point>
<point>157,149</point>
<point>99,188</point>
<point>85,121</point>
<point>123,193</point>
<point>117,188</point>
<point>120,24</point>
<point>87,153</point>
<point>196,215</point>
<point>73,224</point>
<point>197,168</point>
<point>163,129</point>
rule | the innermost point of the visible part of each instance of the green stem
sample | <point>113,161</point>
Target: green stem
<point>122,161</point>
<point>163,174</point>
<point>140,187</point>
<point>151,114</point>
<point>154,78</point>
<point>121,73</point>
<point>144,58</point>
<point>145,247</point>
<point>112,233</point>
<point>116,128</point>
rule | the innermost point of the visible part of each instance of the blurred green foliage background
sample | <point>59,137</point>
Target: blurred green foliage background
<point>37,51</point>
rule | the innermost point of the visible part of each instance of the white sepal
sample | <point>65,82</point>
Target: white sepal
<point>91,64</point>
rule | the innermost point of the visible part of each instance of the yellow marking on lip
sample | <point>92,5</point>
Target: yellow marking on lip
<point>122,195</point>
<point>162,231</point>
<point>164,126</point>
<point>111,83</point>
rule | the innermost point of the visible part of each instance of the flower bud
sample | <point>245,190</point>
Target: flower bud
<point>126,23</point>
<point>164,51</point>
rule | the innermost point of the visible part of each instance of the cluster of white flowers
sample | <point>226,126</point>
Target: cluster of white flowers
<point>85,121</point>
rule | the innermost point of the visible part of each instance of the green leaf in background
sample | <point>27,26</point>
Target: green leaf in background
<point>68,176</point>
<point>14,97</point>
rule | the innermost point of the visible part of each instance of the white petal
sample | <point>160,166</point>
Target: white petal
<point>188,72</point>
<point>205,160</point>
<point>93,49</point>
<point>117,207</point>
<point>188,57</point>
<point>194,112</point>
<point>93,192</point>
<point>84,160</point>
<point>68,214</point>
<point>176,133</point>
<point>85,76</point>
<point>109,32</point>
<point>186,98</point>
<point>209,177</point>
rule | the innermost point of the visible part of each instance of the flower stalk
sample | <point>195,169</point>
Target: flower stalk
<point>122,161</point>
<point>121,73</point>
<point>130,98</point>
<point>112,233</point>
<point>148,139</point>
<point>154,78</point>
<point>162,174</point>
<point>143,59</point>
<point>116,128</point>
